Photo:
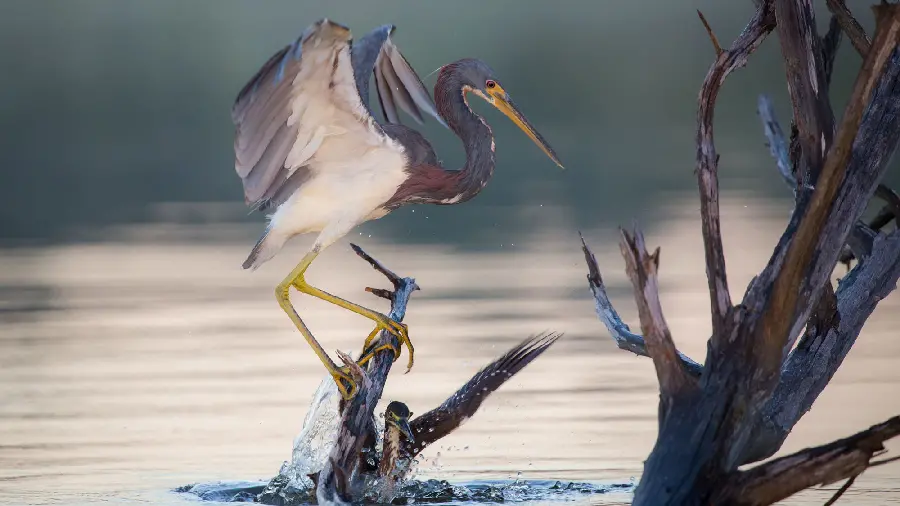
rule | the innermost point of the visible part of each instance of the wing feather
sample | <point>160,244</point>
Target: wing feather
<point>397,87</point>
<point>286,115</point>
<point>413,85</point>
<point>386,97</point>
<point>460,406</point>
<point>397,84</point>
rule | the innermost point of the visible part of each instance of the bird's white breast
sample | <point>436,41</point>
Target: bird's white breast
<point>342,194</point>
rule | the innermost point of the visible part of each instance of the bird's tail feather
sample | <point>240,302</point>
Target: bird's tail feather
<point>265,248</point>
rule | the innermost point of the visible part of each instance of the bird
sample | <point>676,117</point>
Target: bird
<point>404,440</point>
<point>311,155</point>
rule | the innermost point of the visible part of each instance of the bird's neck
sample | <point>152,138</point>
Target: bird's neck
<point>450,96</point>
<point>387,468</point>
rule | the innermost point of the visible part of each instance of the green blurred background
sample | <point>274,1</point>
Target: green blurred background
<point>110,108</point>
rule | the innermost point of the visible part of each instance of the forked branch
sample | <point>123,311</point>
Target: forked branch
<point>840,196</point>
<point>624,338</point>
<point>822,349</point>
<point>727,61</point>
<point>642,268</point>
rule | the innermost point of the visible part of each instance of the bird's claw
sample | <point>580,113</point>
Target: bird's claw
<point>395,328</point>
<point>342,378</point>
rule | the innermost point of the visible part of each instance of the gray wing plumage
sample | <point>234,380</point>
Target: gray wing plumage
<point>263,138</point>
<point>444,419</point>
<point>281,115</point>
<point>397,84</point>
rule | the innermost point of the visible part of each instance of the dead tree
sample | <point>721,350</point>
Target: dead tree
<point>741,403</point>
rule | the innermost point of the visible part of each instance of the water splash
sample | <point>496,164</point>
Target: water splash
<point>316,438</point>
<point>435,491</point>
<point>315,441</point>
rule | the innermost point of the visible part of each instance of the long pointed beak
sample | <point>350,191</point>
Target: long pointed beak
<point>403,425</point>
<point>504,103</point>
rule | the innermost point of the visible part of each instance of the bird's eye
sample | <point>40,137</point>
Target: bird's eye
<point>490,84</point>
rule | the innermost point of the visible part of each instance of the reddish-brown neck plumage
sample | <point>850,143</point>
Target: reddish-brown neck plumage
<point>434,184</point>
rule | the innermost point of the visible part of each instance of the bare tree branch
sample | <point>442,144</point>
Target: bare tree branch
<point>850,26</point>
<point>830,44</point>
<point>619,330</point>
<point>707,160</point>
<point>845,487</point>
<point>712,36</point>
<point>822,465</point>
<point>890,196</point>
<point>805,69</point>
<point>776,141</point>
<point>749,396</point>
<point>885,215</point>
<point>339,481</point>
<point>834,207</point>
<point>642,269</point>
<point>821,351</point>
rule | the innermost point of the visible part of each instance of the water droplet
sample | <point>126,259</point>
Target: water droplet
<point>431,429</point>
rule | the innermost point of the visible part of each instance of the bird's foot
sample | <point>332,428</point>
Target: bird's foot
<point>345,382</point>
<point>397,329</point>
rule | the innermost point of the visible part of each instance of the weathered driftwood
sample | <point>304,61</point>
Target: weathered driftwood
<point>859,241</point>
<point>740,405</point>
<point>340,481</point>
<point>850,26</point>
<point>822,465</point>
<point>623,336</point>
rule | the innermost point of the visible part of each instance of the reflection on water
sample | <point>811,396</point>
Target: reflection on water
<point>129,368</point>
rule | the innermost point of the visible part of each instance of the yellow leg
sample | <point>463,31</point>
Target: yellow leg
<point>341,375</point>
<point>382,321</point>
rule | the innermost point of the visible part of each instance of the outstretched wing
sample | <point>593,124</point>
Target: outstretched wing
<point>444,419</point>
<point>397,84</point>
<point>300,108</point>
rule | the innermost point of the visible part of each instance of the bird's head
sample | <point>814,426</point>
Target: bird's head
<point>479,79</point>
<point>397,415</point>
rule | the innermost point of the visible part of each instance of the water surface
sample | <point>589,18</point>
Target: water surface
<point>149,361</point>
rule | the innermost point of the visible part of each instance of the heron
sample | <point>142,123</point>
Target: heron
<point>311,155</point>
<point>404,439</point>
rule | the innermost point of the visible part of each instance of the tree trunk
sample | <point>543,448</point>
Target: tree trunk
<point>740,405</point>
